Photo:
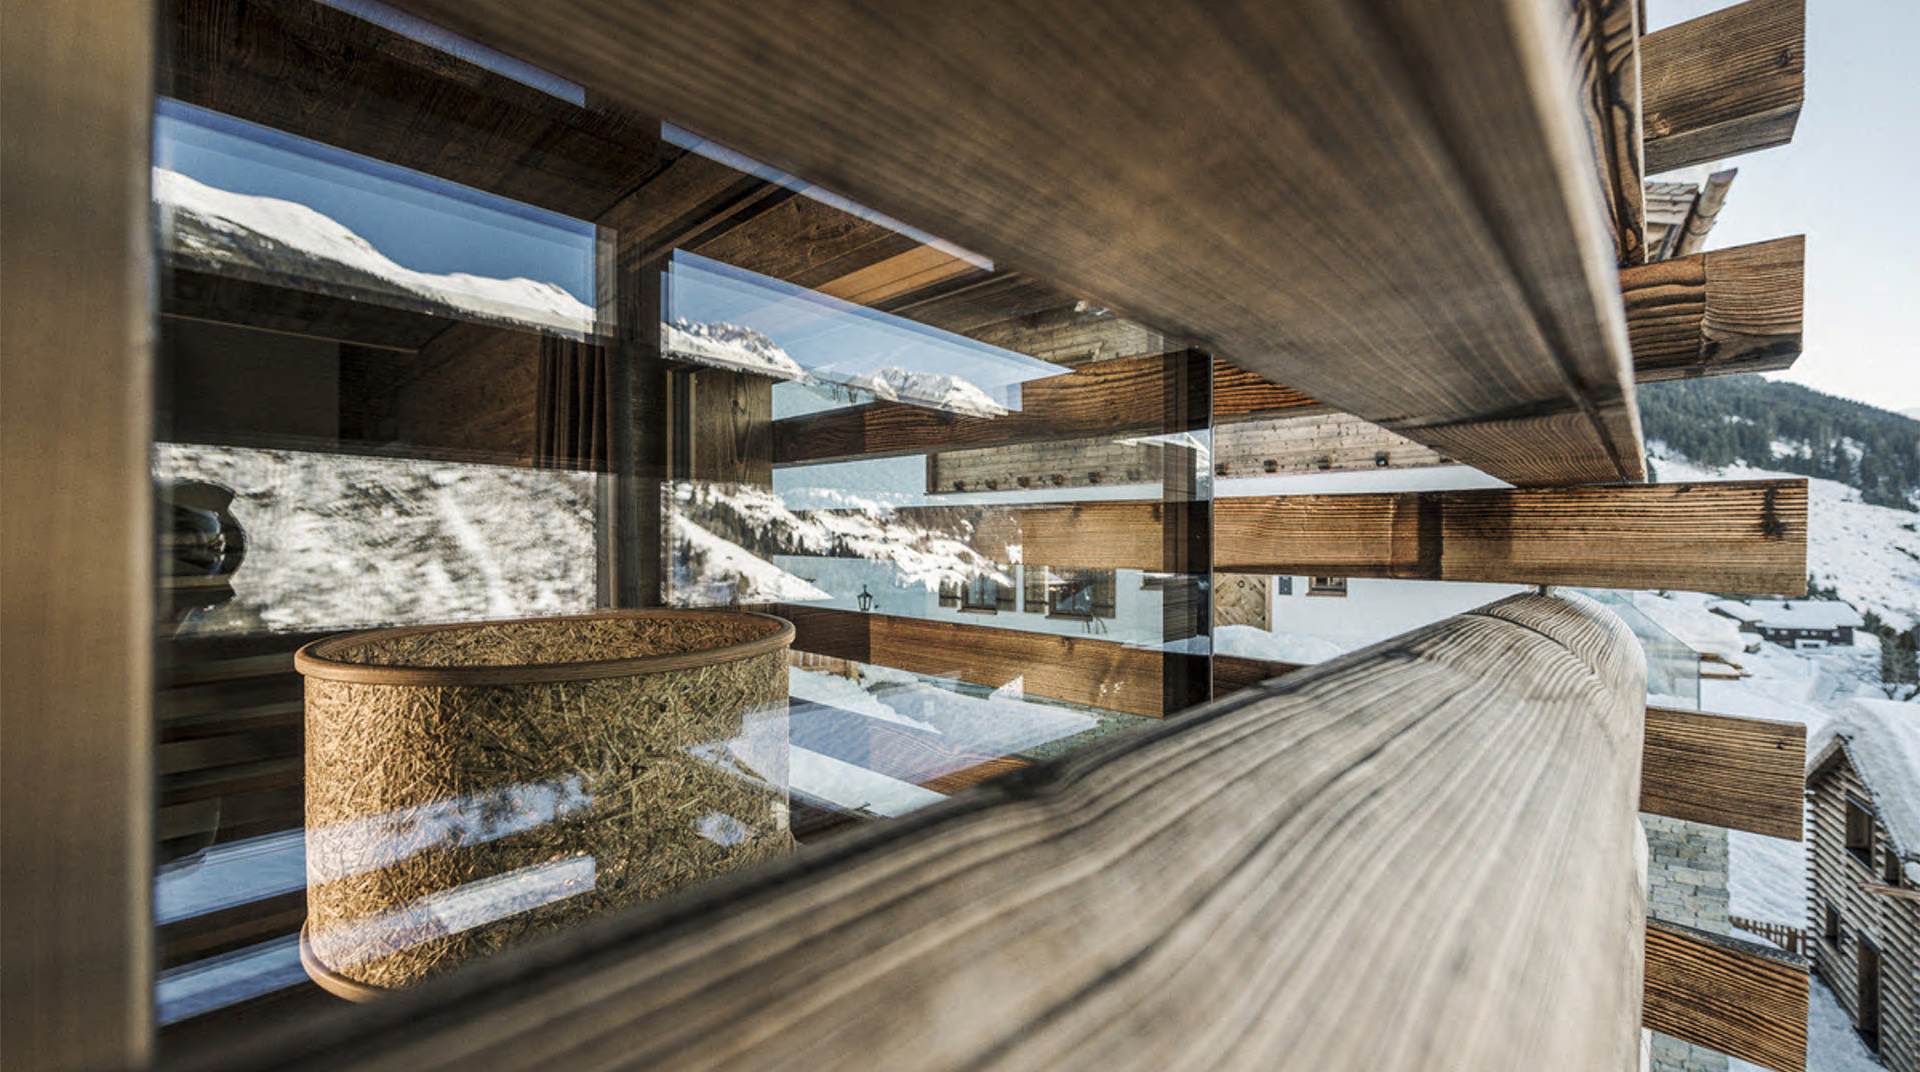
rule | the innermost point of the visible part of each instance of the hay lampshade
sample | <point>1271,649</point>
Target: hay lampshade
<point>472,785</point>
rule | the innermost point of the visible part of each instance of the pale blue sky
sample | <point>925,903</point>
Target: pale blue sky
<point>1846,183</point>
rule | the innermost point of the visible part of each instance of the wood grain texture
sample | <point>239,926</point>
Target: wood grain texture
<point>1726,83</point>
<point>1123,397</point>
<point>1607,43</point>
<point>1719,313</point>
<point>1331,442</point>
<point>1262,875</point>
<point>1741,998</point>
<point>324,74</point>
<point>1235,673</point>
<point>76,544</point>
<point>1739,773</point>
<point>1411,233</point>
<point>1743,536</point>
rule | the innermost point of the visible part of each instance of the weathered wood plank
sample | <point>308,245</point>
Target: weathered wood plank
<point>1235,673</point>
<point>1410,234</point>
<point>76,537</point>
<point>1740,773</point>
<point>903,273</point>
<point>1607,38</point>
<point>1223,870</point>
<point>1740,536</point>
<point>1719,313</point>
<point>1332,442</point>
<point>1126,396</point>
<point>1726,83</point>
<point>1741,998</point>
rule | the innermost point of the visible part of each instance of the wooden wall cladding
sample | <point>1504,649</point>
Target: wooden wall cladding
<point>1726,83</point>
<point>1740,998</point>
<point>1350,226</point>
<point>1740,773</point>
<point>1263,874</point>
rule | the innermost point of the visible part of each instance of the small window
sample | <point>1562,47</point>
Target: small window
<point>1831,928</point>
<point>1860,832</point>
<point>1327,586</point>
<point>981,593</point>
<point>1080,593</point>
<point>1889,866</point>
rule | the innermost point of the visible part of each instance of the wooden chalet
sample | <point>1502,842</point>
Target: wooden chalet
<point>1865,861</point>
<point>1195,243</point>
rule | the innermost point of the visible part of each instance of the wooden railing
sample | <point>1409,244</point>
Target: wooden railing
<point>1791,939</point>
<point>1419,855</point>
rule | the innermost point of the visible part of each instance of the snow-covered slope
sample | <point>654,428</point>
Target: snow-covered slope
<point>1870,554</point>
<point>244,229</point>
<point>728,346</point>
<point>938,390</point>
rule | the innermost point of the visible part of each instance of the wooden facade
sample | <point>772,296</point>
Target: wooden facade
<point>1865,936</point>
<point>1342,236</point>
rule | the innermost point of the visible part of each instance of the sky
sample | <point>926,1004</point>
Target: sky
<point>1846,183</point>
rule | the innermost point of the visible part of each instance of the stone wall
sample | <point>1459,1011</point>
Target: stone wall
<point>1687,884</point>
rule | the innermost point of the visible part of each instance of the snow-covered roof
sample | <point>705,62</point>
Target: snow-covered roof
<point>1690,624</point>
<point>1805,614</point>
<point>1734,609</point>
<point>1881,739</point>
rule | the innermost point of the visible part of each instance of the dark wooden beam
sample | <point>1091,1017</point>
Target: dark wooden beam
<point>1235,673</point>
<point>1608,39</point>
<point>1219,869</point>
<point>1718,313</point>
<point>1123,397</point>
<point>1404,233</point>
<point>318,72</point>
<point>1726,83</point>
<point>1741,998</point>
<point>1739,773</point>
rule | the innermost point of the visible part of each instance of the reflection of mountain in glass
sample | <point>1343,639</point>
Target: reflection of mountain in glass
<point>281,240</point>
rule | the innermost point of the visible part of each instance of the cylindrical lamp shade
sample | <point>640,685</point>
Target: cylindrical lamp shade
<point>472,785</point>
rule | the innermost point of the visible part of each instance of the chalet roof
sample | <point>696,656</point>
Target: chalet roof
<point>1881,740</point>
<point>1804,614</point>
<point>1733,608</point>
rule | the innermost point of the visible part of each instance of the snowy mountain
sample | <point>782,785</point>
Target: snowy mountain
<point>282,239</point>
<point>939,390</point>
<point>728,346</point>
<point>1870,554</point>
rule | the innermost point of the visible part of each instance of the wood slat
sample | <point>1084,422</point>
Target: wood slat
<point>1741,998</point>
<point>1738,536</point>
<point>1608,39</point>
<point>1330,442</point>
<point>1726,83</point>
<point>1262,875</point>
<point>1719,313</point>
<point>1125,396</point>
<point>1740,773</point>
<point>1234,673</point>
<point>1410,234</point>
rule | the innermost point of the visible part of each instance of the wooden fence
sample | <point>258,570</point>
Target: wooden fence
<point>1791,939</point>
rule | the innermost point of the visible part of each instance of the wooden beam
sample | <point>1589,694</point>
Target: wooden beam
<point>904,273</point>
<point>1741,998</point>
<point>76,537</point>
<point>1726,83</point>
<point>1739,773</point>
<point>1903,892</point>
<point>1734,536</point>
<point>1718,313</point>
<point>1738,536</point>
<point>1235,673</point>
<point>321,73</point>
<point>1082,670</point>
<point>1330,442</point>
<point>1124,397</point>
<point>1225,870</point>
<point>1608,35</point>
<point>1408,234</point>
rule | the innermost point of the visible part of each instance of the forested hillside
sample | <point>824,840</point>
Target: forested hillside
<point>1783,426</point>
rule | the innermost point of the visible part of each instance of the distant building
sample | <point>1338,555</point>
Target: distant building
<point>1863,781</point>
<point>1795,623</point>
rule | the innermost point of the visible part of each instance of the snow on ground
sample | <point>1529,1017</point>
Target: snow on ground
<point>1252,642</point>
<point>1684,614</point>
<point>1871,554</point>
<point>286,223</point>
<point>1832,1043</point>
